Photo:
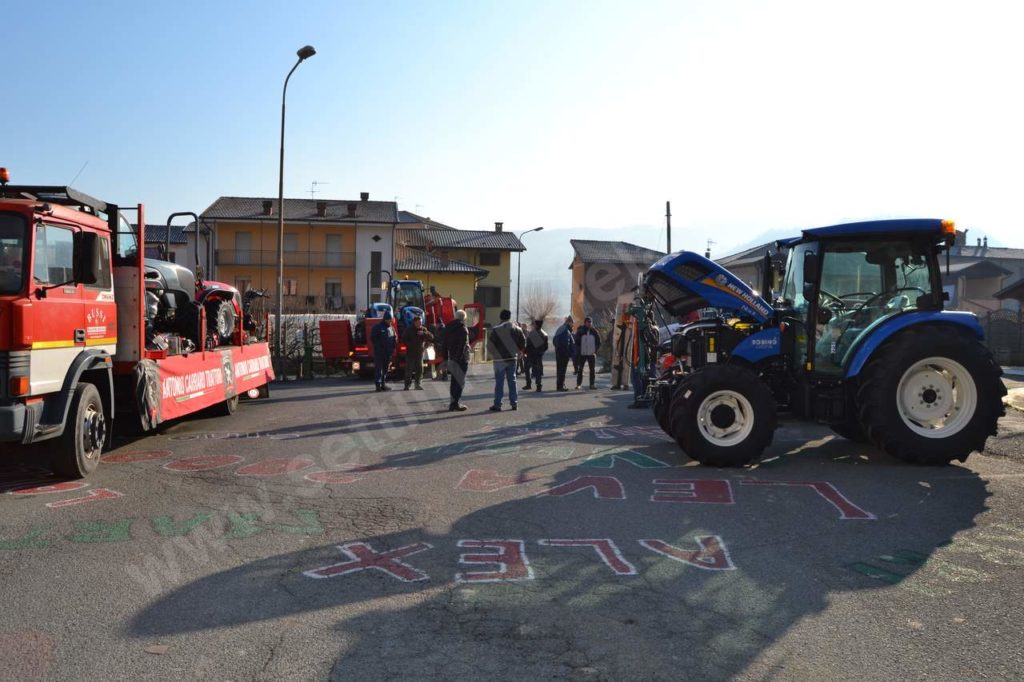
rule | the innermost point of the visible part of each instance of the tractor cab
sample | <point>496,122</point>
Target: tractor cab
<point>843,282</point>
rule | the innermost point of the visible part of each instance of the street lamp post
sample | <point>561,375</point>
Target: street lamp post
<point>519,271</point>
<point>304,53</point>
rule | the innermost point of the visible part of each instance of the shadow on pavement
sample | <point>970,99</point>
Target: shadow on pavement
<point>742,576</point>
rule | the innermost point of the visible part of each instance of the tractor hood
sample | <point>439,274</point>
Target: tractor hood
<point>685,281</point>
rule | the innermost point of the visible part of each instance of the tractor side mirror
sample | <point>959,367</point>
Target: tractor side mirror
<point>810,274</point>
<point>86,246</point>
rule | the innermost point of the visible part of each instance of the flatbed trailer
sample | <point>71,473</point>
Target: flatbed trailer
<point>74,352</point>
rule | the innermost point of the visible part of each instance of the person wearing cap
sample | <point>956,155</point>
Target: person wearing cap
<point>504,344</point>
<point>565,350</point>
<point>415,337</point>
<point>587,343</point>
<point>385,341</point>
<point>536,347</point>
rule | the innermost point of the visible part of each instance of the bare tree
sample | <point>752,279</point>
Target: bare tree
<point>538,301</point>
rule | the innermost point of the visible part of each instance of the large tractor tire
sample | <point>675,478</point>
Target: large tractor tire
<point>661,405</point>
<point>930,396</point>
<point>221,318</point>
<point>850,430</point>
<point>723,416</point>
<point>80,446</point>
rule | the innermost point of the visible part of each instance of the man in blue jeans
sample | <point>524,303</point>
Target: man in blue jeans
<point>504,344</point>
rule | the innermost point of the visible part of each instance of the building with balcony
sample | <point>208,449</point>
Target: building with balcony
<point>335,251</point>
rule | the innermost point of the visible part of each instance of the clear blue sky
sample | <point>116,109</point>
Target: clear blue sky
<point>748,116</point>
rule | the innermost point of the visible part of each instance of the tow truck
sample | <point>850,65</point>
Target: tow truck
<point>90,329</point>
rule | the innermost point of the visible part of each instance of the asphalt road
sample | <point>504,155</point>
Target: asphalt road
<point>336,533</point>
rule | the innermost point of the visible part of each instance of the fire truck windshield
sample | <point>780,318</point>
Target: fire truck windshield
<point>12,249</point>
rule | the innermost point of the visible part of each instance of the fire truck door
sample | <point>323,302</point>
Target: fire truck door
<point>59,327</point>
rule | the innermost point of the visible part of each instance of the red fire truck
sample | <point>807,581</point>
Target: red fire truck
<point>90,329</point>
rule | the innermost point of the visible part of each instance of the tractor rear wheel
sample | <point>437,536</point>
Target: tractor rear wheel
<point>723,415</point>
<point>220,318</point>
<point>930,398</point>
<point>661,405</point>
<point>850,430</point>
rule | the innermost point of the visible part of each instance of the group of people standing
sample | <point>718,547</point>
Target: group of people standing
<point>506,343</point>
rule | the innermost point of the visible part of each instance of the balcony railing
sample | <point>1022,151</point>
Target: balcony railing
<point>313,304</point>
<point>301,259</point>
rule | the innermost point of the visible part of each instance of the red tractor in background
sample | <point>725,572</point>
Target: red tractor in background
<point>349,344</point>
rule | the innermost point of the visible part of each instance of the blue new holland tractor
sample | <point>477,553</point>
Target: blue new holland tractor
<point>857,338</point>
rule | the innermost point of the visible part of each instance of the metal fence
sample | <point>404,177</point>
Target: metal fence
<point>1004,336</point>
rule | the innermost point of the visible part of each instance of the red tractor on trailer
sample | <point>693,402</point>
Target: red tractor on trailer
<point>349,343</point>
<point>90,329</point>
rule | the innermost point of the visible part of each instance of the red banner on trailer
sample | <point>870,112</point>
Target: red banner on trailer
<point>188,383</point>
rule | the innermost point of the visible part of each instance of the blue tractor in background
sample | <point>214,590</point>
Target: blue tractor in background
<point>857,338</point>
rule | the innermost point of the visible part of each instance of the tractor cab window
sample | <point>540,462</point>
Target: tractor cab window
<point>12,258</point>
<point>127,243</point>
<point>792,287</point>
<point>863,284</point>
<point>407,295</point>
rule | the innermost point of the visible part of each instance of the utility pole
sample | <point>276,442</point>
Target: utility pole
<point>668,226</point>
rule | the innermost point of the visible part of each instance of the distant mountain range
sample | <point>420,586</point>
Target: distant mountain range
<point>549,254</point>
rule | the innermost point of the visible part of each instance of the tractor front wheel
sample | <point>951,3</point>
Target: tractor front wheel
<point>931,396</point>
<point>723,416</point>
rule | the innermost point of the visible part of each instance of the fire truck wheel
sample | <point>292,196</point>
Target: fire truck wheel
<point>84,435</point>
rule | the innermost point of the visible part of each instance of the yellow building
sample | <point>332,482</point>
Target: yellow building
<point>334,251</point>
<point>488,253</point>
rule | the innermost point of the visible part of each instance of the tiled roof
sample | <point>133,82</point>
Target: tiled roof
<point>595,251</point>
<point>1015,290</point>
<point>459,239</point>
<point>158,234</point>
<point>251,208</point>
<point>410,217</point>
<point>987,252</point>
<point>413,260</point>
<point>978,268</point>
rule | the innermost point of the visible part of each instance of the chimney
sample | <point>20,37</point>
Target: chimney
<point>321,209</point>
<point>984,243</point>
<point>351,209</point>
<point>497,226</point>
<point>268,207</point>
<point>979,241</point>
<point>364,196</point>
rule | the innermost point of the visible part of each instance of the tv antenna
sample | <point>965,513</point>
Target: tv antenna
<point>707,253</point>
<point>313,188</point>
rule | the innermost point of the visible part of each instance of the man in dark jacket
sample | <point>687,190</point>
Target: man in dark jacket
<point>415,337</point>
<point>536,347</point>
<point>456,350</point>
<point>384,343</point>
<point>565,350</point>
<point>587,343</point>
<point>504,344</point>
